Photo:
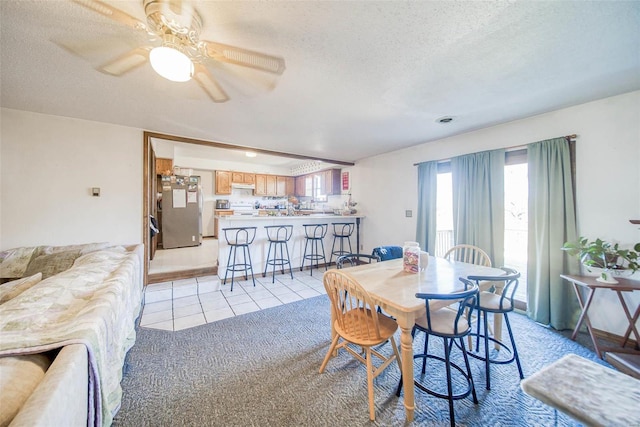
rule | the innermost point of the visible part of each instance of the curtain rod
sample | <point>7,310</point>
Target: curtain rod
<point>569,138</point>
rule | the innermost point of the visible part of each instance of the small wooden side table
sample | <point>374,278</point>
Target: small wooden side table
<point>624,285</point>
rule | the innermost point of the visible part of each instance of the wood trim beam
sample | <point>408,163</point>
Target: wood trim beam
<point>216,144</point>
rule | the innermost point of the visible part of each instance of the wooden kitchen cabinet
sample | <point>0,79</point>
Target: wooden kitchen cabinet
<point>300,186</point>
<point>164,166</point>
<point>272,187</point>
<point>223,182</point>
<point>290,184</point>
<point>330,181</point>
<point>281,186</point>
<point>261,185</point>
<point>243,178</point>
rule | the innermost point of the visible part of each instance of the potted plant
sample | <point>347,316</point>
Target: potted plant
<point>608,258</point>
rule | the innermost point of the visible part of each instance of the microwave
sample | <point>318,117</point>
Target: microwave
<point>222,204</point>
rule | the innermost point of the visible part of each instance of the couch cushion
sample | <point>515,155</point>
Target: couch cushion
<point>15,262</point>
<point>19,376</point>
<point>52,264</point>
<point>84,248</point>
<point>13,289</point>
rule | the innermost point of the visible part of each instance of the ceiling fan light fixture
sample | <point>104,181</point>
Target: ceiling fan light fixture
<point>171,64</point>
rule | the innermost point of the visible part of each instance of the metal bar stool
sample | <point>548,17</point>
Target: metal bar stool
<point>452,326</point>
<point>341,231</point>
<point>488,302</point>
<point>314,237</point>
<point>278,236</point>
<point>239,237</point>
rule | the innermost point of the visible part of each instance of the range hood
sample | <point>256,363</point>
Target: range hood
<point>244,186</point>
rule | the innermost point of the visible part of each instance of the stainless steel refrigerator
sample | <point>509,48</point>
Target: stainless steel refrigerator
<point>181,211</point>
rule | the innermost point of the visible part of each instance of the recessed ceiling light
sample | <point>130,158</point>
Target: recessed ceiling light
<point>250,154</point>
<point>445,119</point>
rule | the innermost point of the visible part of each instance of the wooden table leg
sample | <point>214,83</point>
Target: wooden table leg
<point>632,321</point>
<point>406,321</point>
<point>497,318</point>
<point>584,318</point>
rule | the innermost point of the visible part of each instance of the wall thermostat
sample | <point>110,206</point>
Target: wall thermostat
<point>95,191</point>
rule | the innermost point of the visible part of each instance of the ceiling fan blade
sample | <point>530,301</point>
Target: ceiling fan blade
<point>246,58</point>
<point>127,62</point>
<point>111,12</point>
<point>209,84</point>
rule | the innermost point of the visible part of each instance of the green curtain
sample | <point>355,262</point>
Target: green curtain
<point>427,185</point>
<point>552,221</point>
<point>478,202</point>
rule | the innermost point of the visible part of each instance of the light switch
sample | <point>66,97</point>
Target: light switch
<point>95,191</point>
<point>408,213</point>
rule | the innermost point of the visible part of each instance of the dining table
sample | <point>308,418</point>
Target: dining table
<point>394,291</point>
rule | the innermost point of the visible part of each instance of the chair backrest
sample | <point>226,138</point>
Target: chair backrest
<point>343,228</point>
<point>466,299</point>
<point>385,253</point>
<point>351,260</point>
<point>352,307</point>
<point>279,233</point>
<point>239,235</point>
<point>315,231</point>
<point>468,253</point>
<point>510,279</point>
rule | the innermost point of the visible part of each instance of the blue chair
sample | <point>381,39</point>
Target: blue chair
<point>385,253</point>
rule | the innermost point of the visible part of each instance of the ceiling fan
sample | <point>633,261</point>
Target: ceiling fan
<point>174,48</point>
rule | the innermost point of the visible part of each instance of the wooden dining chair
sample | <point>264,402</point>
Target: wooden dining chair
<point>472,255</point>
<point>469,254</point>
<point>357,324</point>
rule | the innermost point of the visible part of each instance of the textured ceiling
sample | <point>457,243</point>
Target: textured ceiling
<point>361,78</point>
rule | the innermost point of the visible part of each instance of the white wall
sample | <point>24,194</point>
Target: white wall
<point>607,174</point>
<point>50,164</point>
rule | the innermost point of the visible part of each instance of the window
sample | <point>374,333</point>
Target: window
<point>516,215</point>
<point>516,191</point>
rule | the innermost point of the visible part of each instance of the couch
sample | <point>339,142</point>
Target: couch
<point>67,320</point>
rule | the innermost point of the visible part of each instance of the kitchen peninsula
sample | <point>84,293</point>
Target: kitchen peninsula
<point>260,245</point>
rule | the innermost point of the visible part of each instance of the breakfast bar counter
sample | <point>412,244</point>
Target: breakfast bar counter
<point>260,245</point>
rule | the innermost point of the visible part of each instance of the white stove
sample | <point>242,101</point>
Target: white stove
<point>243,208</point>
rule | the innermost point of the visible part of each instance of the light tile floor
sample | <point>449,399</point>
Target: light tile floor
<point>182,304</point>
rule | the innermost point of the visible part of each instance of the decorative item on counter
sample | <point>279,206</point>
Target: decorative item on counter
<point>411,257</point>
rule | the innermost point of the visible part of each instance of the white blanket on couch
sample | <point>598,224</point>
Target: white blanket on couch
<point>95,303</point>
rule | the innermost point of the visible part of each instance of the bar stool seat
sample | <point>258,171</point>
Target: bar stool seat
<point>489,302</point>
<point>314,240</point>
<point>341,231</point>
<point>239,238</point>
<point>278,236</point>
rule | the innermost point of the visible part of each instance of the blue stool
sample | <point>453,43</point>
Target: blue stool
<point>341,231</point>
<point>278,236</point>
<point>314,235</point>
<point>239,238</point>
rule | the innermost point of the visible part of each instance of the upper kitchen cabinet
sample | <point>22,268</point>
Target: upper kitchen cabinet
<point>330,182</point>
<point>243,178</point>
<point>261,185</point>
<point>284,185</point>
<point>300,187</point>
<point>223,182</point>
<point>272,188</point>
<point>319,184</point>
<point>164,166</point>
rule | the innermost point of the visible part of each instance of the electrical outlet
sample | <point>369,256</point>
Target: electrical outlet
<point>408,213</point>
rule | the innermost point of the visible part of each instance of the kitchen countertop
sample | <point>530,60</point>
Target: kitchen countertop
<point>285,217</point>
